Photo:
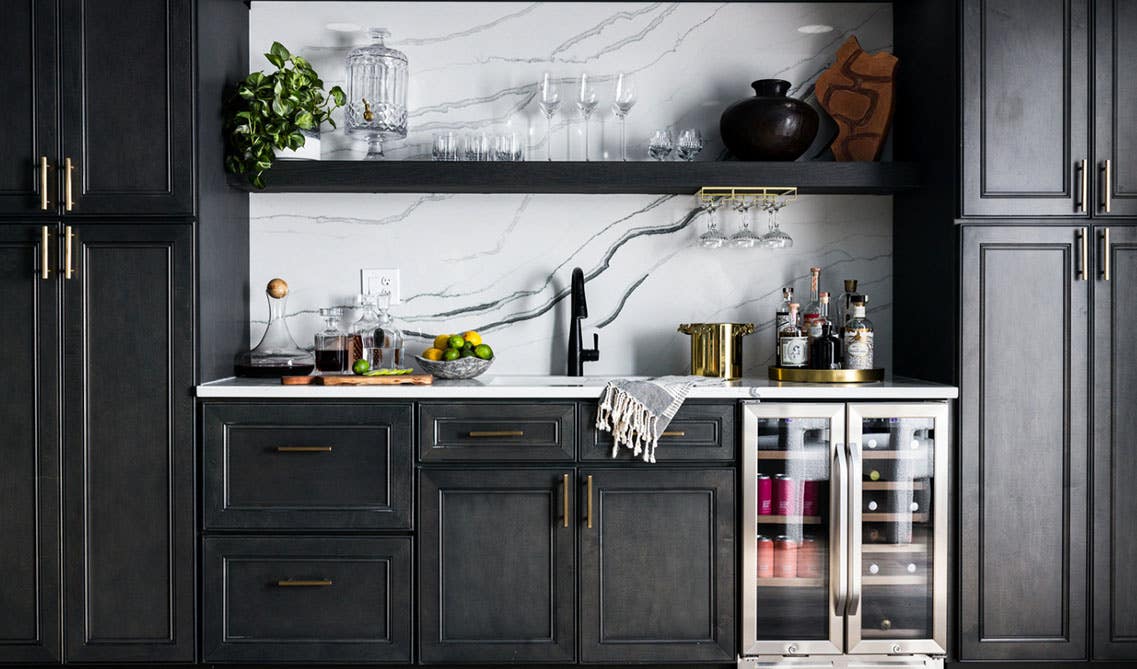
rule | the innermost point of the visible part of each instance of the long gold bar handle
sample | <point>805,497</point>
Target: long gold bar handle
<point>68,236</point>
<point>589,516</point>
<point>303,449</point>
<point>1085,187</point>
<point>68,168</point>
<point>1083,254</point>
<point>44,253</point>
<point>674,433</point>
<point>44,202</point>
<point>1107,196</point>
<point>490,434</point>
<point>296,583</point>
<point>1105,260</point>
<point>564,499</point>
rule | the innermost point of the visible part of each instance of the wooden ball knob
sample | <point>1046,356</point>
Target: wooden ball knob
<point>277,288</point>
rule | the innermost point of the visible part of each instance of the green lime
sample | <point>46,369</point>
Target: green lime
<point>451,354</point>
<point>468,346</point>
<point>483,351</point>
<point>361,367</point>
<point>468,352</point>
<point>457,342</point>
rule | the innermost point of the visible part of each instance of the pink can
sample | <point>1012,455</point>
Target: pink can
<point>784,495</point>
<point>785,558</point>
<point>765,557</point>
<point>765,495</point>
<point>809,502</point>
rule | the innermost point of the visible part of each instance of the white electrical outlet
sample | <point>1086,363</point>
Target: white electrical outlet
<point>380,281</point>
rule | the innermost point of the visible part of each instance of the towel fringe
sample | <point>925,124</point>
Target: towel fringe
<point>632,425</point>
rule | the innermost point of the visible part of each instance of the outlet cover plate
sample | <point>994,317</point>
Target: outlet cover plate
<point>379,281</point>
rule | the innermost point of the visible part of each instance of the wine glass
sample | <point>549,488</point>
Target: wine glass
<point>745,238</point>
<point>661,144</point>
<point>623,103</point>
<point>713,238</point>
<point>550,103</point>
<point>775,238</point>
<point>586,101</point>
<point>690,144</point>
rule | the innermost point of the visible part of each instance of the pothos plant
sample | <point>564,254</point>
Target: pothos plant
<point>271,111</point>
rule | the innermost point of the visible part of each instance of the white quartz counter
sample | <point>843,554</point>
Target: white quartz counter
<point>589,387</point>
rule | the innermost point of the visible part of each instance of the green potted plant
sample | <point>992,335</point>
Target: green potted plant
<point>275,113</point>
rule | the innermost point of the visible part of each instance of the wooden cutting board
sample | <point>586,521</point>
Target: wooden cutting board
<point>353,380</point>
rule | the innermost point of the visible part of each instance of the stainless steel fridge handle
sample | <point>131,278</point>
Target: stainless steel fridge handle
<point>840,583</point>
<point>856,472</point>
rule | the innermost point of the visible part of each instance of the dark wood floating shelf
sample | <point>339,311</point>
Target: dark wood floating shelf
<point>356,176</point>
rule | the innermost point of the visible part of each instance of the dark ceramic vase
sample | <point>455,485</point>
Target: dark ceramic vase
<point>768,126</point>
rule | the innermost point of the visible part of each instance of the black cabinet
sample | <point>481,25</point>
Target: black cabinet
<point>106,88</point>
<point>1026,114</point>
<point>1115,458</point>
<point>29,451</point>
<point>1115,102</point>
<point>700,431</point>
<point>497,568</point>
<point>657,566</point>
<point>128,444</point>
<point>1023,444</point>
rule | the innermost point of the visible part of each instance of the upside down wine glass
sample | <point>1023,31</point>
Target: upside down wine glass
<point>713,238</point>
<point>775,238</point>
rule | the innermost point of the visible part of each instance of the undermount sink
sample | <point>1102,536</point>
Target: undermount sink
<point>556,381</point>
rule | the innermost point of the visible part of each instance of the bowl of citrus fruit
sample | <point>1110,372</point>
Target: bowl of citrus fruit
<point>457,356</point>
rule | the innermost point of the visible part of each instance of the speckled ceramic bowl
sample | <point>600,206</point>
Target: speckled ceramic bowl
<point>462,368</point>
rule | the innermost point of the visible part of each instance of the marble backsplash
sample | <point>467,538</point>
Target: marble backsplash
<point>501,263</point>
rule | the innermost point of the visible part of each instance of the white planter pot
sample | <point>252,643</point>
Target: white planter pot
<point>310,150</point>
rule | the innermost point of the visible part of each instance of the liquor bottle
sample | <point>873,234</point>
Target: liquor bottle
<point>812,310</point>
<point>783,314</point>
<point>815,326</point>
<point>793,344</point>
<point>859,339</point>
<point>825,351</point>
<point>845,303</point>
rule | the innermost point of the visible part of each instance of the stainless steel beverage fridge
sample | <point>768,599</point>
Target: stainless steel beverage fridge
<point>845,530</point>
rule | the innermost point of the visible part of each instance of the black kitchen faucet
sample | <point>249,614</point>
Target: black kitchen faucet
<point>577,354</point>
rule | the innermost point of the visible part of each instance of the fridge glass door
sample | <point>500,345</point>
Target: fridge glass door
<point>898,528</point>
<point>795,523</point>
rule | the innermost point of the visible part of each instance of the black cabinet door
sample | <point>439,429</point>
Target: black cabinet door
<point>1024,401</point>
<point>1025,72</point>
<point>657,566</point>
<point>1115,457</point>
<point>128,104</point>
<point>128,444</point>
<point>1115,101</point>
<point>497,576</point>
<point>29,451</point>
<point>30,81</point>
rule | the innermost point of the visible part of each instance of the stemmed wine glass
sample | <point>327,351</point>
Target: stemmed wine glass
<point>625,99</point>
<point>713,238</point>
<point>745,238</point>
<point>586,101</point>
<point>550,103</point>
<point>775,238</point>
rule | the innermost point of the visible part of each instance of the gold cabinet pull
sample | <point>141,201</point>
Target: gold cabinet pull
<point>490,434</point>
<point>303,449</point>
<point>44,202</point>
<point>588,517</point>
<point>1105,250</point>
<point>298,583</point>
<point>674,433</point>
<point>68,168</point>
<point>1107,196</point>
<point>1085,187</point>
<point>44,253</point>
<point>68,237</point>
<point>564,498</point>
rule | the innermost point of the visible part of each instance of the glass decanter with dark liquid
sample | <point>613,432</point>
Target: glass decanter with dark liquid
<point>277,354</point>
<point>332,344</point>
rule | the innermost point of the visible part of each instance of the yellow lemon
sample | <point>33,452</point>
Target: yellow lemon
<point>432,353</point>
<point>441,341</point>
<point>472,337</point>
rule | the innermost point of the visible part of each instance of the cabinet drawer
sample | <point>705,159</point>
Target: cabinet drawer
<point>308,466</point>
<point>306,599</point>
<point>450,432</point>
<point>699,431</point>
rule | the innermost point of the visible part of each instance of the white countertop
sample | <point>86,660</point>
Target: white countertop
<point>588,387</point>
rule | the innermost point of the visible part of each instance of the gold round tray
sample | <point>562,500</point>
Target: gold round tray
<point>799,375</point>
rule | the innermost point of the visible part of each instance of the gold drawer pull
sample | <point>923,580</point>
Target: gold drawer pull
<point>674,433</point>
<point>564,498</point>
<point>68,200</point>
<point>44,253</point>
<point>69,237</point>
<point>490,434</point>
<point>303,449</point>
<point>589,514</point>
<point>44,202</point>
<point>295,583</point>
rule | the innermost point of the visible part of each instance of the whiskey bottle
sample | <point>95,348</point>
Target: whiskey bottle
<point>793,344</point>
<point>859,339</point>
<point>783,314</point>
<point>815,326</point>
<point>812,310</point>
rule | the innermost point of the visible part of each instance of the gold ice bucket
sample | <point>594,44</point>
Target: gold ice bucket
<point>716,348</point>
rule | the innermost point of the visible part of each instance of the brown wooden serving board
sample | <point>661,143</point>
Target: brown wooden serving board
<point>353,380</point>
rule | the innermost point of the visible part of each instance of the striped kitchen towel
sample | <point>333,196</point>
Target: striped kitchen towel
<point>636,412</point>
